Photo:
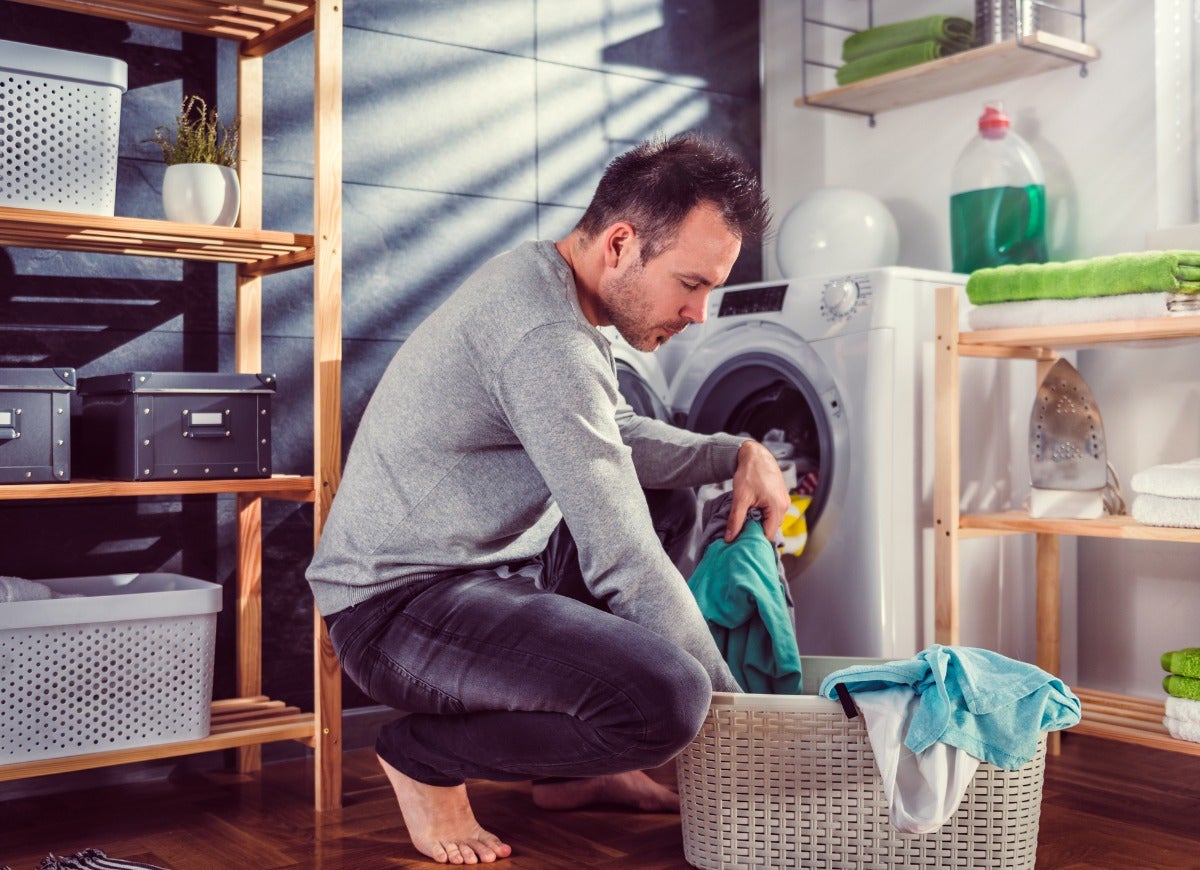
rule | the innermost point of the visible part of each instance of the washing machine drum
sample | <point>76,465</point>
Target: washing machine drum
<point>792,406</point>
<point>639,393</point>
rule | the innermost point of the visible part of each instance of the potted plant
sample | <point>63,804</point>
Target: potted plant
<point>201,185</point>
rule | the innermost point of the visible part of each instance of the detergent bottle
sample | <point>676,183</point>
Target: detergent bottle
<point>997,198</point>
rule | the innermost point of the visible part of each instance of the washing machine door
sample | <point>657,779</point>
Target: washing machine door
<point>641,380</point>
<point>758,377</point>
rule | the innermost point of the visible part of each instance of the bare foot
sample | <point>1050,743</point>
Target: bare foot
<point>440,822</point>
<point>634,789</point>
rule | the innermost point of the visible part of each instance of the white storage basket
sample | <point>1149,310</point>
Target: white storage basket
<point>58,129</point>
<point>128,663</point>
<point>790,781</point>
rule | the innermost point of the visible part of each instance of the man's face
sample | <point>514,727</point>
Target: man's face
<point>650,302</point>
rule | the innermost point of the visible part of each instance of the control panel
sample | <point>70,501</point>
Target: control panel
<point>753,300</point>
<point>842,297</point>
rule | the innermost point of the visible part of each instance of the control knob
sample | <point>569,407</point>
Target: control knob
<point>840,297</point>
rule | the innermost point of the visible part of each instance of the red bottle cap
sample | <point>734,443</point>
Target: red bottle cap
<point>993,123</point>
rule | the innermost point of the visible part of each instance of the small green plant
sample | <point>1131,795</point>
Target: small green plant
<point>199,136</point>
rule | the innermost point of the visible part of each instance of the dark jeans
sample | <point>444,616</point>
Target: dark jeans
<point>511,677</point>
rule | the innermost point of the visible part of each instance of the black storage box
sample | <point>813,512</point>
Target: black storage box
<point>174,425</point>
<point>35,424</point>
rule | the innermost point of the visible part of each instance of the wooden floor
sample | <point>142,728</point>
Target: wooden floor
<point>1106,805</point>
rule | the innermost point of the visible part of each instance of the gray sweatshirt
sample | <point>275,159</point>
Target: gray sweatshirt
<point>498,417</point>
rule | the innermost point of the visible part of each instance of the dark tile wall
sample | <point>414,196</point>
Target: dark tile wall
<point>464,135</point>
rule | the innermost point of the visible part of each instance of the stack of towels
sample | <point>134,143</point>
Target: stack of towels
<point>890,47</point>
<point>1118,287</point>
<point>1168,495</point>
<point>1183,693</point>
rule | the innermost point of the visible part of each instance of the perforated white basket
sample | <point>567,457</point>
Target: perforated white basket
<point>58,128</point>
<point>128,663</point>
<point>790,781</point>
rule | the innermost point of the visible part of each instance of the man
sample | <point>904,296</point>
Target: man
<point>490,563</point>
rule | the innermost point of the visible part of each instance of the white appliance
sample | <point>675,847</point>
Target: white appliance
<point>843,364</point>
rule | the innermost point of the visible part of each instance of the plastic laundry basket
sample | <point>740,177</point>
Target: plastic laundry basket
<point>58,128</point>
<point>790,781</point>
<point>129,662</point>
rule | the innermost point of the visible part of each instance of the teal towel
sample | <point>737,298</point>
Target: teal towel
<point>991,706</point>
<point>1143,272</point>
<point>891,60</point>
<point>1182,662</point>
<point>742,598</point>
<point>1182,687</point>
<point>957,33</point>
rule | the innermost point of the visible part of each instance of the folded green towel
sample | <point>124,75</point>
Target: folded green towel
<point>1142,272</point>
<point>1182,687</point>
<point>1183,662</point>
<point>958,32</point>
<point>891,60</point>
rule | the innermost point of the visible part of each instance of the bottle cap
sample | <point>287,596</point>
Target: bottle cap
<point>993,123</point>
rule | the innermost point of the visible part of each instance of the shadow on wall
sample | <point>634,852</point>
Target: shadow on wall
<point>542,97</point>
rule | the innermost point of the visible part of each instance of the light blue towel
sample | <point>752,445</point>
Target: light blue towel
<point>991,706</point>
<point>740,594</point>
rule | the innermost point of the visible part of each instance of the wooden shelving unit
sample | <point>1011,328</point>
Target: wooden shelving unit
<point>1105,714</point>
<point>980,67</point>
<point>257,27</point>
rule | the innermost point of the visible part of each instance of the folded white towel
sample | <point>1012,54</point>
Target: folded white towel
<point>1157,510</point>
<point>1183,709</point>
<point>1181,730</point>
<point>1174,480</point>
<point>1047,312</point>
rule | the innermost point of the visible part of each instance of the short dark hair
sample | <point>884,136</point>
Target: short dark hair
<point>657,184</point>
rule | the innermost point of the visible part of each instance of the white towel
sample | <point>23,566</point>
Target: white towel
<point>1174,480</point>
<point>20,589</point>
<point>1157,510</point>
<point>1182,730</point>
<point>923,789</point>
<point>1183,709</point>
<point>1047,312</point>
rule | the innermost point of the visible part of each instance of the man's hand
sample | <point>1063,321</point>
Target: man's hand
<point>758,482</point>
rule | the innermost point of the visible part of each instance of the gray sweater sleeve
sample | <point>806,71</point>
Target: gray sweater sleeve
<point>559,399</point>
<point>667,457</point>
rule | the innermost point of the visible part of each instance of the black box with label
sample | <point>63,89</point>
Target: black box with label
<point>35,424</point>
<point>174,425</point>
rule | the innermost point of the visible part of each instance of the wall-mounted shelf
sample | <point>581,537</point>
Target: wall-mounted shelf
<point>980,67</point>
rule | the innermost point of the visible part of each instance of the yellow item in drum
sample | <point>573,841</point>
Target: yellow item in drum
<point>794,529</point>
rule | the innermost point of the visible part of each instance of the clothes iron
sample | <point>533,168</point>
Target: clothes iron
<point>1068,465</point>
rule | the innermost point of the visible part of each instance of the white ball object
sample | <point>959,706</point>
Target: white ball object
<point>835,229</point>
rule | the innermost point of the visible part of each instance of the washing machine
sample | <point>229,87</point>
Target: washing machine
<point>840,368</point>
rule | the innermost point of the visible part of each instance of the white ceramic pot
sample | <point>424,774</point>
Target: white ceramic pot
<point>201,193</point>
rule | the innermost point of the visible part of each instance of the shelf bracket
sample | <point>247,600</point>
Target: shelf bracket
<point>806,62</point>
<point>1035,5</point>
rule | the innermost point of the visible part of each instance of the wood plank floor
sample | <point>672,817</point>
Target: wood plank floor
<point>1106,805</point>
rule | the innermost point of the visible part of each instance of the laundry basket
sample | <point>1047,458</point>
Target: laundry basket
<point>790,781</point>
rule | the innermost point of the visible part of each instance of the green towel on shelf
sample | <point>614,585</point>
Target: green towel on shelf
<point>955,32</point>
<point>1182,662</point>
<point>1143,272</point>
<point>1182,687</point>
<point>891,60</point>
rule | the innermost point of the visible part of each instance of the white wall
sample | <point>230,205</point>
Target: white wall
<point>1101,143</point>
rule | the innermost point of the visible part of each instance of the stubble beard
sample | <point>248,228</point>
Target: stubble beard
<point>628,309</point>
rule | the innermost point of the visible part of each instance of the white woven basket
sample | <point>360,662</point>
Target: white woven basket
<point>790,781</point>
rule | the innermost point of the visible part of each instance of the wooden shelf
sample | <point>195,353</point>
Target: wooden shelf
<point>1017,522</point>
<point>1034,339</point>
<point>282,486</point>
<point>979,67</point>
<point>260,26</point>
<point>1128,719</point>
<point>258,252</point>
<point>235,722</point>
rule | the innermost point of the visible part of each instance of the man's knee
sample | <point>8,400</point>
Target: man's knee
<point>682,693</point>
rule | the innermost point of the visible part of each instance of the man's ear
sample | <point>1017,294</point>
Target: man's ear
<point>619,242</point>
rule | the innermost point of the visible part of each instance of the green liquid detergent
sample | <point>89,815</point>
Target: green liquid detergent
<point>998,225</point>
